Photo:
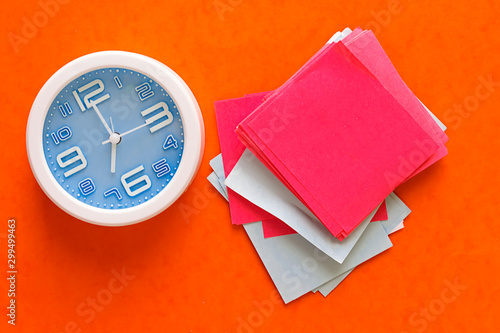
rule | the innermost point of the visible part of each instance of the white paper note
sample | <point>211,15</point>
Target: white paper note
<point>253,181</point>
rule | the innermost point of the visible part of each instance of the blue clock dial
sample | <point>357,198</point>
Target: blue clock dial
<point>113,138</point>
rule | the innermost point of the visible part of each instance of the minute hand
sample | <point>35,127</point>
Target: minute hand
<point>127,132</point>
<point>101,118</point>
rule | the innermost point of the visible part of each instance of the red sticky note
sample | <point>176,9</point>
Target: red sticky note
<point>381,214</point>
<point>332,134</point>
<point>368,50</point>
<point>273,229</point>
<point>229,113</point>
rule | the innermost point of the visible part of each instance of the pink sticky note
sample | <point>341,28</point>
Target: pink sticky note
<point>311,61</point>
<point>367,49</point>
<point>273,229</point>
<point>229,113</point>
<point>333,134</point>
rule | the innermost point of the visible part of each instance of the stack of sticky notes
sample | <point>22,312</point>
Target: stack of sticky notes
<point>310,168</point>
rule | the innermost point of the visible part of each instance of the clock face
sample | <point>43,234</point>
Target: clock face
<point>113,138</point>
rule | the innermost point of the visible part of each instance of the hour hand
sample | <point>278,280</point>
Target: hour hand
<point>127,132</point>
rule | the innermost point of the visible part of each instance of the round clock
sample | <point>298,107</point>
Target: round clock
<point>114,138</point>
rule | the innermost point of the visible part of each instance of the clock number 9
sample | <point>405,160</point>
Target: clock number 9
<point>87,99</point>
<point>128,184</point>
<point>72,160</point>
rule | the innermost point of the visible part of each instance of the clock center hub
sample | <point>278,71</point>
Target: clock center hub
<point>115,138</point>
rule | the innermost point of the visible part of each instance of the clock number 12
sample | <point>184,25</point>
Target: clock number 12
<point>87,102</point>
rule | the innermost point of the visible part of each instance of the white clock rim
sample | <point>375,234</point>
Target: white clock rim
<point>194,137</point>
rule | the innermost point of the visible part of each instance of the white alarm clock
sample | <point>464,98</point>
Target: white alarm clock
<point>114,138</point>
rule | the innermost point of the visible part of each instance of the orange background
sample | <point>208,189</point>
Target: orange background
<point>201,274</point>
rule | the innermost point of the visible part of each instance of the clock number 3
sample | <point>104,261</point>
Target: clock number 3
<point>164,115</point>
<point>132,186</point>
<point>87,102</point>
<point>72,156</point>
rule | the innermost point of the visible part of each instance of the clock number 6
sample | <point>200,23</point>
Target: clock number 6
<point>130,185</point>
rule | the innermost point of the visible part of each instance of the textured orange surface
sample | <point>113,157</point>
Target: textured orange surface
<point>201,274</point>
